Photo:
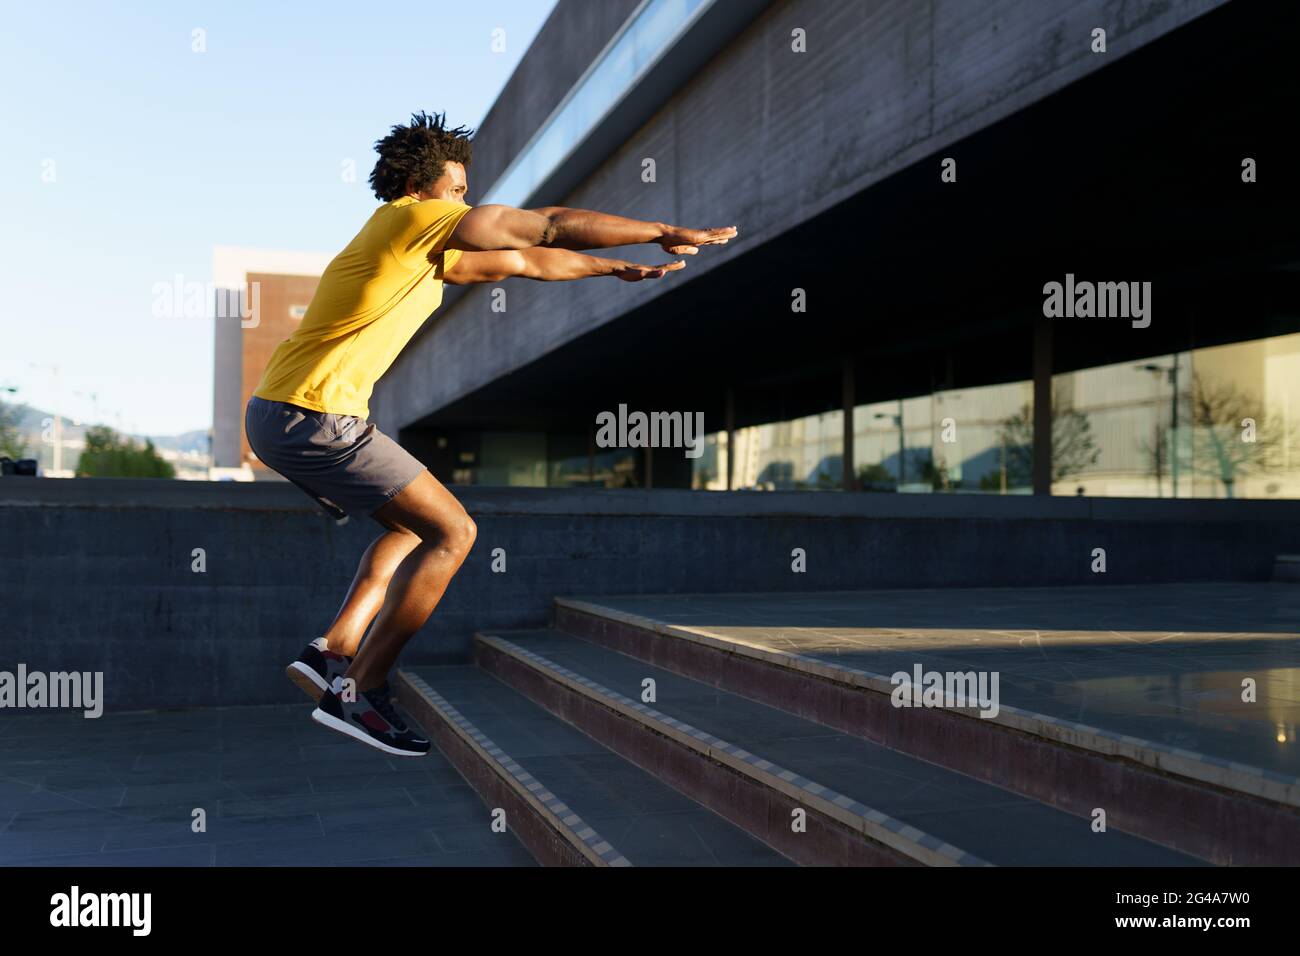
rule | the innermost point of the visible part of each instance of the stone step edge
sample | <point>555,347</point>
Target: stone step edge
<point>901,837</point>
<point>542,801</point>
<point>1173,761</point>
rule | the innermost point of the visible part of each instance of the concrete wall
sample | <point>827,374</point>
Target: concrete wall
<point>97,574</point>
<point>767,138</point>
<point>572,36</point>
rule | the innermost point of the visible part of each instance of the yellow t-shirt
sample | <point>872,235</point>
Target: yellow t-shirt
<point>371,300</point>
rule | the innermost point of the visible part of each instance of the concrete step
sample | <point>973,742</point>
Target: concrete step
<point>763,768</point>
<point>1208,806</point>
<point>1286,567</point>
<point>568,799</point>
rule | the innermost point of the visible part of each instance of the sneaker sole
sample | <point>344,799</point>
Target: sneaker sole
<point>356,733</point>
<point>308,681</point>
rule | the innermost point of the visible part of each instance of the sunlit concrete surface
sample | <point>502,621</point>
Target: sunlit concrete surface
<point>277,790</point>
<point>1164,663</point>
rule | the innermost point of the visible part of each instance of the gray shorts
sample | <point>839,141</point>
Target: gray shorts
<point>347,464</point>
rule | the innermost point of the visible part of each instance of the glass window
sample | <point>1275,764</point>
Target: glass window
<point>1220,422</point>
<point>658,25</point>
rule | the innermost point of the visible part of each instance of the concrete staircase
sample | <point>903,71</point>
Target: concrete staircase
<point>611,740</point>
<point>567,798</point>
<point>1208,807</point>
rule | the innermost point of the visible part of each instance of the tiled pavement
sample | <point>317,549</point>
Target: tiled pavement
<point>278,790</point>
<point>1161,662</point>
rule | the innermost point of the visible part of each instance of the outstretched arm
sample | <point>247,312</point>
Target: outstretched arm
<point>548,265</point>
<point>503,227</point>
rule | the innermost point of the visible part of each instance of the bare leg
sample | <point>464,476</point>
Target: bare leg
<point>428,511</point>
<point>366,596</point>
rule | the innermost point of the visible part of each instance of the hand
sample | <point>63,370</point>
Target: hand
<point>680,241</point>
<point>632,272</point>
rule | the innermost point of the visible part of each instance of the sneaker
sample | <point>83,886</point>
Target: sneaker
<point>316,667</point>
<point>371,719</point>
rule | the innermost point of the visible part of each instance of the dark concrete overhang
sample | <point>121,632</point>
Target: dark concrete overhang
<point>1130,174</point>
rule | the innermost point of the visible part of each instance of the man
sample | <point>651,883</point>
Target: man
<point>307,417</point>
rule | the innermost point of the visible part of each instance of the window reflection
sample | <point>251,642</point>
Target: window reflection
<point>1220,422</point>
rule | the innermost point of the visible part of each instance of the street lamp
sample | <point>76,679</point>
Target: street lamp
<point>1172,372</point>
<point>898,423</point>
<point>57,378</point>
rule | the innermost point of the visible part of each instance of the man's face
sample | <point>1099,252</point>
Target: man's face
<point>450,186</point>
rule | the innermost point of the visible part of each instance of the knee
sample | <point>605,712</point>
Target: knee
<point>458,536</point>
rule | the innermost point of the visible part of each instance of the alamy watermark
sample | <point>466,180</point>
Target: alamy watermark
<point>626,429</point>
<point>956,689</point>
<point>75,908</point>
<point>179,299</point>
<point>74,690</point>
<point>1098,300</point>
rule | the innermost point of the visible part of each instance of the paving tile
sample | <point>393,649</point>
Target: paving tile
<point>40,798</point>
<point>19,849</point>
<point>372,799</point>
<point>495,856</point>
<point>997,833</point>
<point>178,832</point>
<point>337,849</point>
<point>480,836</point>
<point>259,785</point>
<point>386,780</point>
<point>605,783</point>
<point>692,838</point>
<point>56,821</point>
<point>154,856</point>
<point>455,805</point>
<point>523,740</point>
<point>123,791</point>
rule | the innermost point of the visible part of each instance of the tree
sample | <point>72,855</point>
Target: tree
<point>931,470</point>
<point>12,443</point>
<point>1073,447</point>
<point>877,478</point>
<point>109,455</point>
<point>1231,435</point>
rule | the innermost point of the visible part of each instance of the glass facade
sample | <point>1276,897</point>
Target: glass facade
<point>1220,422</point>
<point>948,441</point>
<point>540,460</point>
<point>617,468</point>
<point>511,458</point>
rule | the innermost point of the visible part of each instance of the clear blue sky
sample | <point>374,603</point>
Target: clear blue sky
<point>161,153</point>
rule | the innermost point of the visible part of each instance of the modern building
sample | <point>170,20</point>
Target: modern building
<point>910,180</point>
<point>260,296</point>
